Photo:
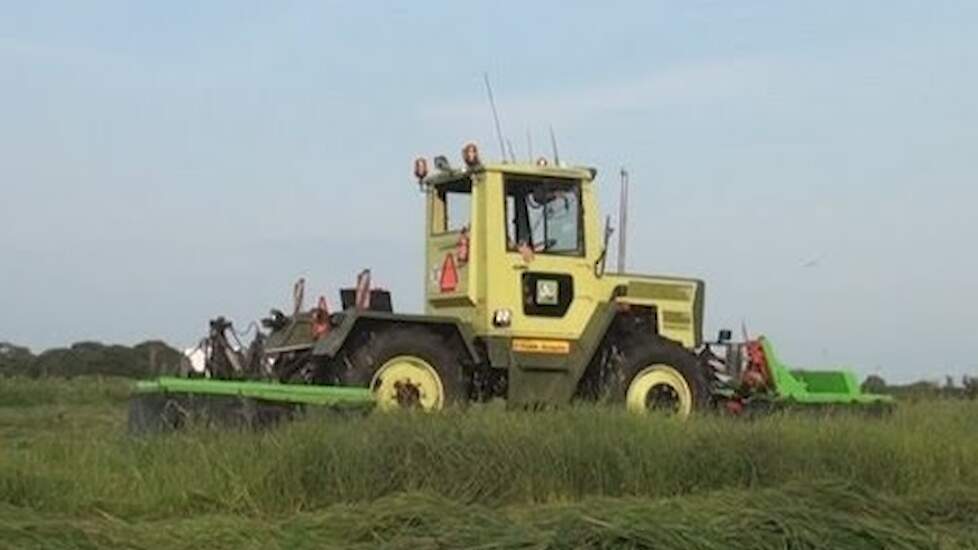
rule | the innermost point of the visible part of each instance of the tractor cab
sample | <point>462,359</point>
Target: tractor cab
<point>513,248</point>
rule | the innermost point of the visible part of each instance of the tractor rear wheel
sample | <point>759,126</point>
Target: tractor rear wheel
<point>409,368</point>
<point>659,375</point>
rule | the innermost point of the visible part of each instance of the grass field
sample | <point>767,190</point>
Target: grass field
<point>584,477</point>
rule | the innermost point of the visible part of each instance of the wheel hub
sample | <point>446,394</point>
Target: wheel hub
<point>408,382</point>
<point>407,394</point>
<point>663,398</point>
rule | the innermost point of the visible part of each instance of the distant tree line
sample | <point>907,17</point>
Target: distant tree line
<point>967,389</point>
<point>151,358</point>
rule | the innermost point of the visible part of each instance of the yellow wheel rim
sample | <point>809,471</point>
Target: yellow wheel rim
<point>660,386</point>
<point>406,381</point>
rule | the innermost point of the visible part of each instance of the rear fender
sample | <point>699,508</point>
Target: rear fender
<point>356,323</point>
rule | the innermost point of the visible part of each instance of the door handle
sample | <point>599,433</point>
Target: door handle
<point>520,267</point>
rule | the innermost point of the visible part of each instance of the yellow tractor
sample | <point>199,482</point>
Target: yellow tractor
<point>515,262</point>
<point>518,305</point>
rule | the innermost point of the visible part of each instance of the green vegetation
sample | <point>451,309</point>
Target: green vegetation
<point>924,390</point>
<point>580,477</point>
<point>150,358</point>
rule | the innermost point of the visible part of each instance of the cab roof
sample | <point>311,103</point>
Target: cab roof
<point>522,169</point>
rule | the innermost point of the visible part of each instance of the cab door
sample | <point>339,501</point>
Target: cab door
<point>449,279</point>
<point>547,257</point>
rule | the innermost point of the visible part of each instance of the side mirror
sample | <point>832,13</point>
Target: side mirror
<point>725,335</point>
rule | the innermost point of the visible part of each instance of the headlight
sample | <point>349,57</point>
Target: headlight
<point>502,318</point>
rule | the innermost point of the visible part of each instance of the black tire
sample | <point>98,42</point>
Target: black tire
<point>415,342</point>
<point>639,353</point>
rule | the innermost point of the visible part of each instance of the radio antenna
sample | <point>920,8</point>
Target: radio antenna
<point>495,115</point>
<point>512,155</point>
<point>529,146</point>
<point>553,145</point>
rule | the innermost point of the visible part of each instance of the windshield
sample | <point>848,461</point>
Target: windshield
<point>545,215</point>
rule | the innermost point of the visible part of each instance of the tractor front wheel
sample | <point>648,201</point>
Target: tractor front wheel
<point>408,368</point>
<point>659,375</point>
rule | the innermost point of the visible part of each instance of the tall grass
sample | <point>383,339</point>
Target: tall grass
<point>487,456</point>
<point>430,480</point>
<point>820,515</point>
<point>18,391</point>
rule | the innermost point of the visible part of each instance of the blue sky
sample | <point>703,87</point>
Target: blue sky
<point>165,162</point>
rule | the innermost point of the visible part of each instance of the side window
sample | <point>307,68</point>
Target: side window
<point>453,207</point>
<point>458,210</point>
<point>544,214</point>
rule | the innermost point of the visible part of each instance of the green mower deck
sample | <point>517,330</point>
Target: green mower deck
<point>286,393</point>
<point>817,387</point>
<point>168,403</point>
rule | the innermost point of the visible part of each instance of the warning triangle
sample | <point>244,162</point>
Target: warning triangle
<point>449,275</point>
